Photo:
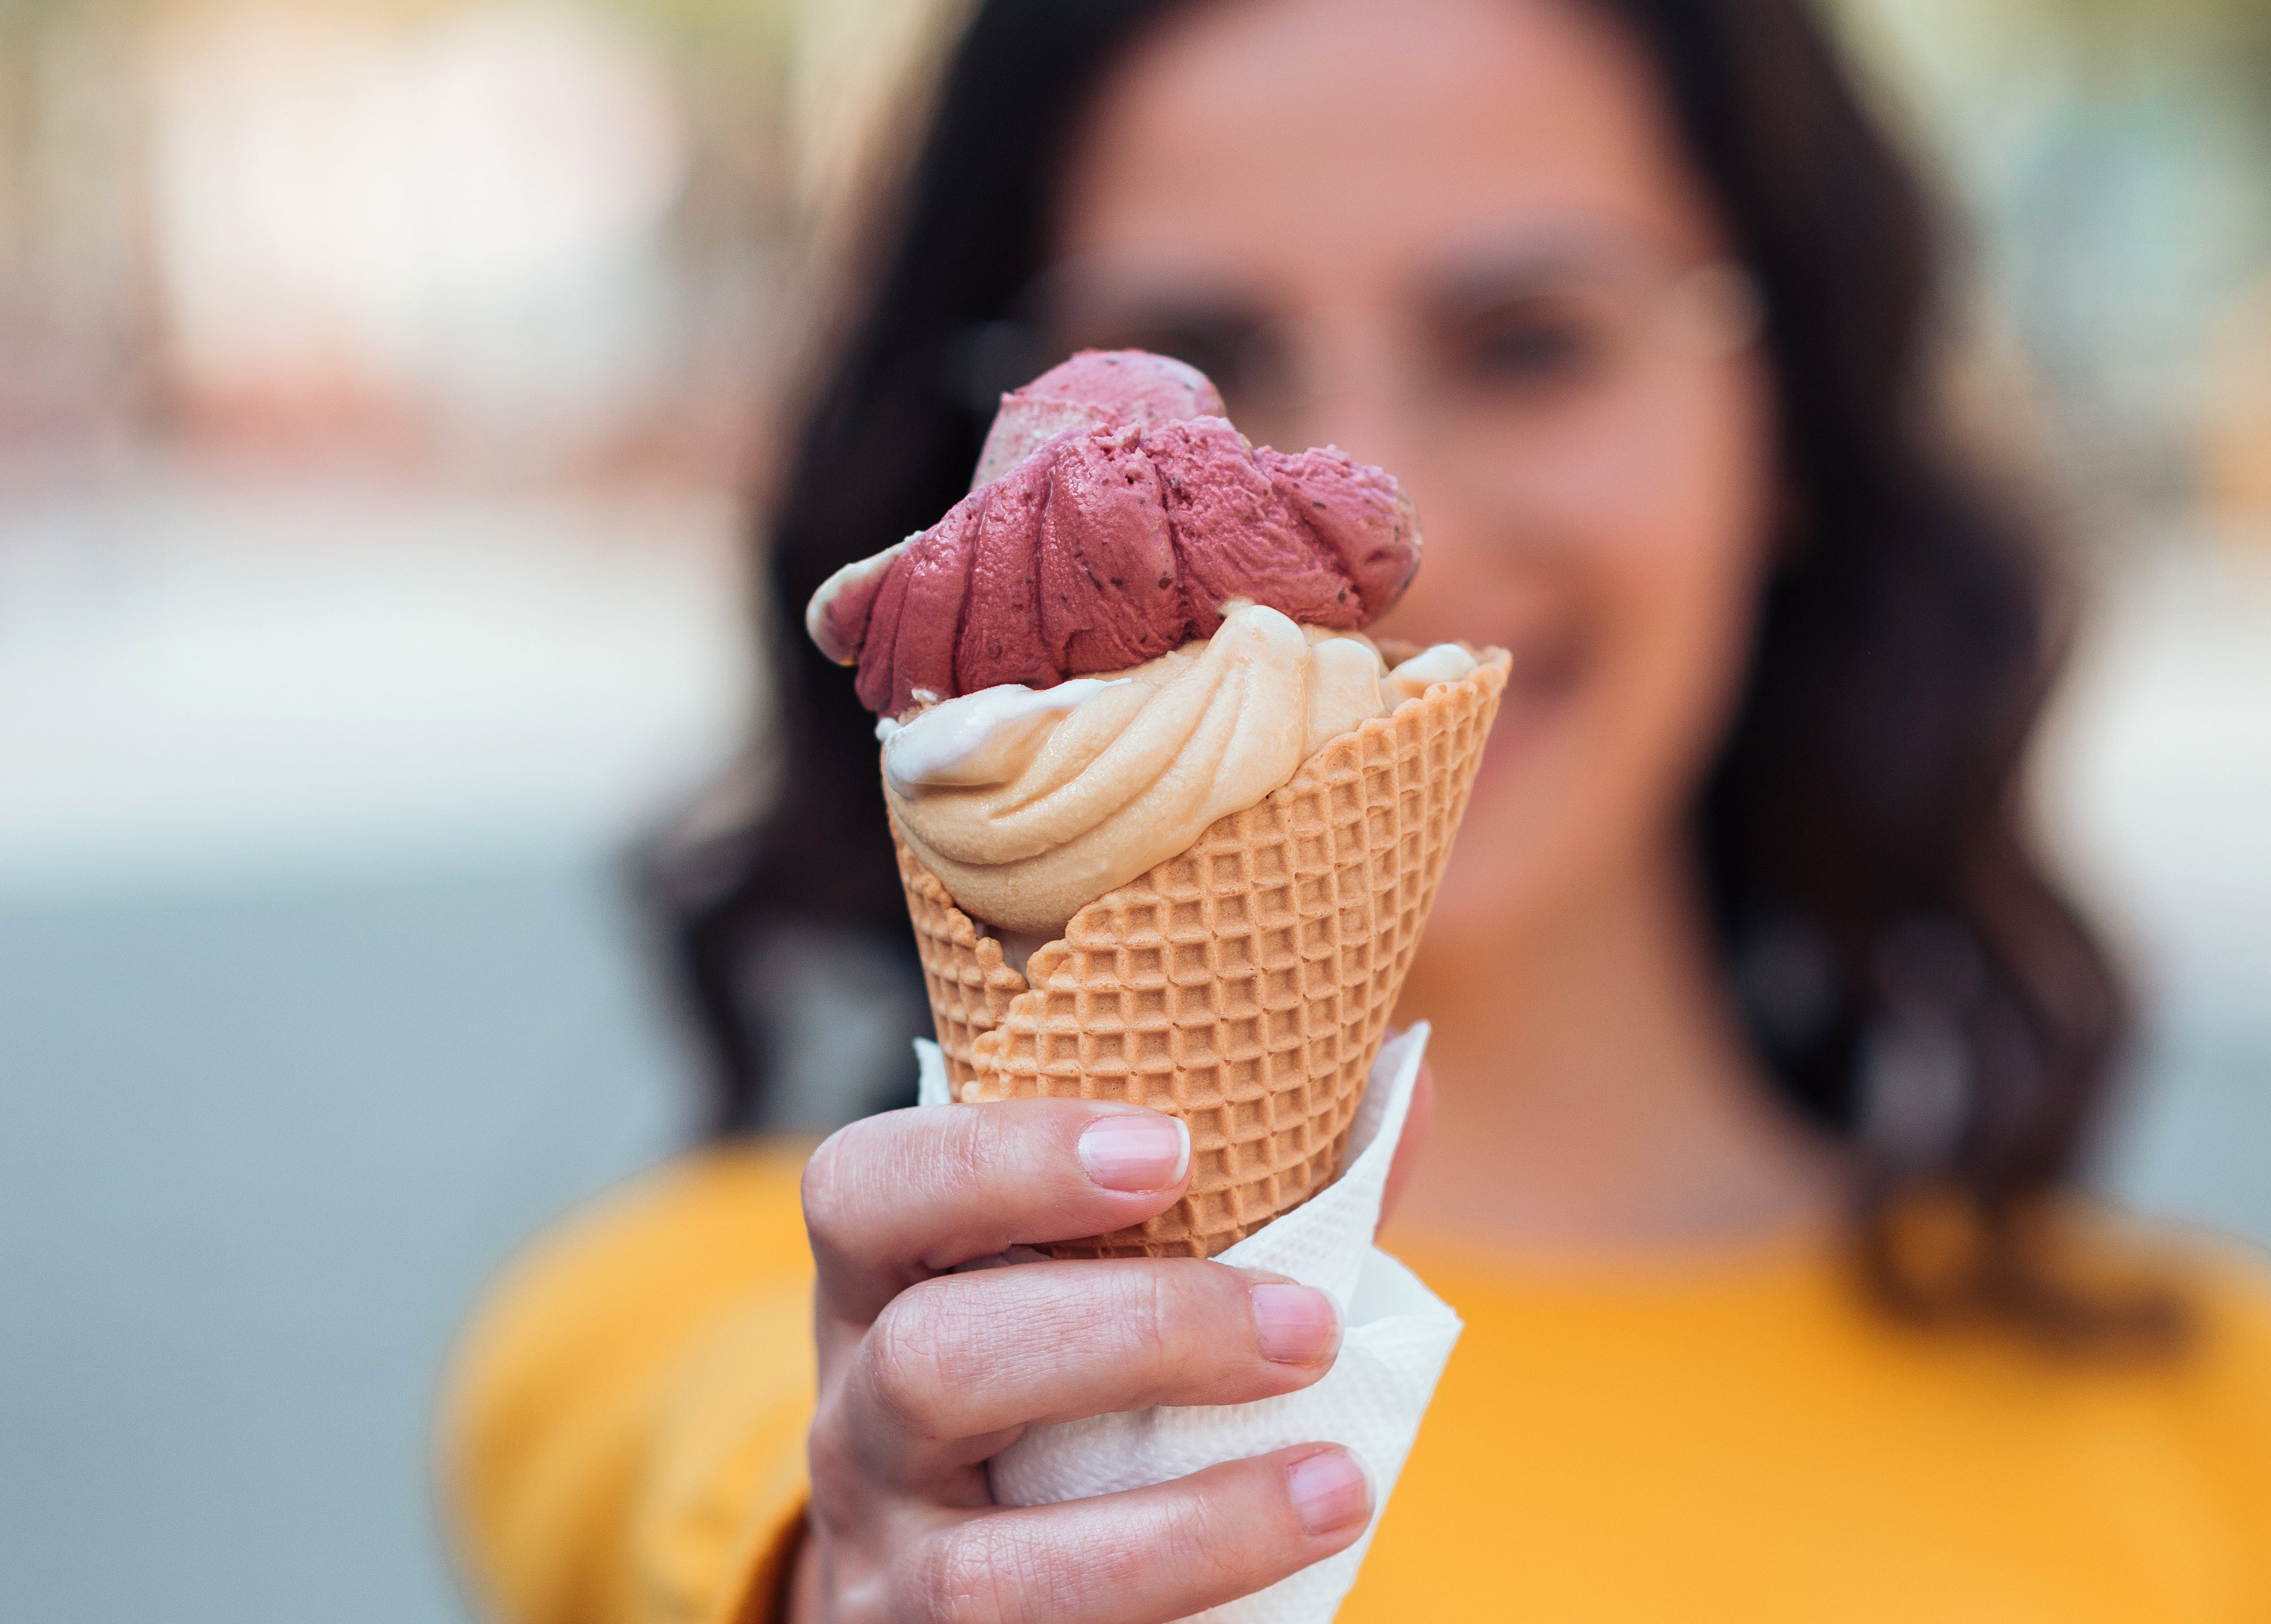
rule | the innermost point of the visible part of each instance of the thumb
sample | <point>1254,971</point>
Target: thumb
<point>1407,1149</point>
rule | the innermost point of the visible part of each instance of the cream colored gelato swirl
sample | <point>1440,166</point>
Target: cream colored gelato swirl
<point>1028,804</point>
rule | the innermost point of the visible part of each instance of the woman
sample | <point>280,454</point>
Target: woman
<point>1763,1046</point>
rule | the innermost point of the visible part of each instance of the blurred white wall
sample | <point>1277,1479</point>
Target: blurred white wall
<point>213,685</point>
<point>2156,782</point>
<point>463,215</point>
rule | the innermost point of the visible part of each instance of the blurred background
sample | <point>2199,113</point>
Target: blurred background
<point>381,382</point>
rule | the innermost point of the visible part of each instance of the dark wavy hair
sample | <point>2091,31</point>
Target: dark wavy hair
<point>1910,977</point>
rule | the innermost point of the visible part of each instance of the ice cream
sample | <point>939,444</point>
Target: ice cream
<point>1168,822</point>
<point>1133,516</point>
<point>1135,623</point>
<point>1028,802</point>
<point>1096,389</point>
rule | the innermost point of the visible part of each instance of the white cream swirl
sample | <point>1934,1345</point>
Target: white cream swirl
<point>1028,804</point>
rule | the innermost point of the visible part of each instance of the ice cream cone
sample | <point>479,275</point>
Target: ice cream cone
<point>1243,986</point>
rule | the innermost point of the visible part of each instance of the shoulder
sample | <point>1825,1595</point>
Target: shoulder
<point>2216,1384</point>
<point>728,1213</point>
<point>634,1386</point>
<point>2222,1283</point>
<point>2224,1286</point>
<point>643,1260</point>
<point>2224,1380</point>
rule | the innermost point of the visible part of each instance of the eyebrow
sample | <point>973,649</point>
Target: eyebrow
<point>1465,280</point>
<point>1474,278</point>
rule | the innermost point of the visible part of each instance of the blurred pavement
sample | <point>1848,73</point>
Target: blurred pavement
<point>319,992</point>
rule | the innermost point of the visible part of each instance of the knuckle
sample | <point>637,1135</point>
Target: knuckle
<point>1124,1321</point>
<point>1191,1539</point>
<point>1157,1320</point>
<point>861,1583</point>
<point>823,1185</point>
<point>978,1146</point>
<point>900,1362</point>
<point>831,1449</point>
<point>969,1575</point>
<point>1149,1320</point>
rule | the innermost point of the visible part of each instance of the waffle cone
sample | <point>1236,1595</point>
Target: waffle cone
<point>1243,986</point>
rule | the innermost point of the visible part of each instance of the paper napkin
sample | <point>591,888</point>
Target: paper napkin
<point>1398,1336</point>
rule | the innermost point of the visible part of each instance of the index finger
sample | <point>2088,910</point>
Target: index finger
<point>897,1198</point>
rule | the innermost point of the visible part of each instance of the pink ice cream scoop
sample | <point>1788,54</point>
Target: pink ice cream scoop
<point>1117,511</point>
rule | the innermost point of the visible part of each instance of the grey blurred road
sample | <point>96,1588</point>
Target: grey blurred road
<point>257,1154</point>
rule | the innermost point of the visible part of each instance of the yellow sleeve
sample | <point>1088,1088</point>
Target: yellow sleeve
<point>622,1440</point>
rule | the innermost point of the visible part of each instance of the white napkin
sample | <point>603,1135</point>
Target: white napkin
<point>1398,1336</point>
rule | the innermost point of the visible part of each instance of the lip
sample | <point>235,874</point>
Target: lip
<point>1549,671</point>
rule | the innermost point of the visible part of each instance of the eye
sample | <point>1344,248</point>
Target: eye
<point>1529,344</point>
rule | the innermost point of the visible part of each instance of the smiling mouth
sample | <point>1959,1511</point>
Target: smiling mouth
<point>1548,670</point>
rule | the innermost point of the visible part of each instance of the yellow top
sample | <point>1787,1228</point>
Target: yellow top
<point>623,1443</point>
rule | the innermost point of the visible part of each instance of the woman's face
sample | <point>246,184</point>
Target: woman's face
<point>1457,238</point>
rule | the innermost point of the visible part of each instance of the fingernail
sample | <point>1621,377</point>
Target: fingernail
<point>1144,1151</point>
<point>1295,1324</point>
<point>1328,1490</point>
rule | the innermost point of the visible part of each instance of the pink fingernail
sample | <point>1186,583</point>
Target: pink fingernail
<point>1295,1324</point>
<point>1329,1491</point>
<point>1143,1151</point>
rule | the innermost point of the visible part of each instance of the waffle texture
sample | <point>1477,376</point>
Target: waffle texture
<point>1243,986</point>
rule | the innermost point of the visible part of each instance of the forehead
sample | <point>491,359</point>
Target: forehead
<point>1301,142</point>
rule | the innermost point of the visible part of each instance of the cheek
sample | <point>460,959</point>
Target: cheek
<point>1676,574</point>
<point>1639,569</point>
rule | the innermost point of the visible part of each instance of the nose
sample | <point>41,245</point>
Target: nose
<point>1354,389</point>
<point>1371,402</point>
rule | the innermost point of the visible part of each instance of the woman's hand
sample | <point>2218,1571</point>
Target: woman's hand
<point>925,1372</point>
